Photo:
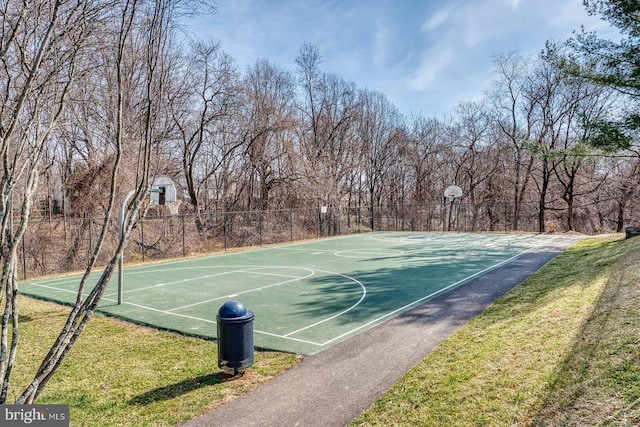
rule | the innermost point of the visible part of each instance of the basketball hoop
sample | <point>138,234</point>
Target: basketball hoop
<point>164,194</point>
<point>453,192</point>
<point>174,207</point>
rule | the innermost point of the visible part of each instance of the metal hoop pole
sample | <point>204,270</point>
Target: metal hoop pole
<point>123,208</point>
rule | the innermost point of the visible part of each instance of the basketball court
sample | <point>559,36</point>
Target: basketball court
<point>307,296</point>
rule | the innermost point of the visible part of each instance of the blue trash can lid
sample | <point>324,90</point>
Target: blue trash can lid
<point>231,309</point>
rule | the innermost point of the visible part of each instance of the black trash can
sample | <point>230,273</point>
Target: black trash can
<point>631,232</point>
<point>235,336</point>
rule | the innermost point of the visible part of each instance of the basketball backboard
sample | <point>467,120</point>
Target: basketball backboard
<point>163,191</point>
<point>453,192</point>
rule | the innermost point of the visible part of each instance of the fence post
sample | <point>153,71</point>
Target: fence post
<point>291,225</point>
<point>184,253</point>
<point>506,229</point>
<point>224,230</point>
<point>142,238</point>
<point>121,217</point>
<point>260,227</point>
<point>395,208</point>
<point>372,218</point>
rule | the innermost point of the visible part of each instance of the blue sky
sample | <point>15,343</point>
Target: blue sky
<point>424,55</point>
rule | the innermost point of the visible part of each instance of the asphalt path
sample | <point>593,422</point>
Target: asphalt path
<point>335,386</point>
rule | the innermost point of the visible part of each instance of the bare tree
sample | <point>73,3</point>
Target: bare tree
<point>616,199</point>
<point>39,54</point>
<point>328,109</point>
<point>422,158</point>
<point>514,118</point>
<point>550,112</point>
<point>479,162</point>
<point>378,131</point>
<point>562,107</point>
<point>200,112</point>
<point>267,118</point>
<point>47,51</point>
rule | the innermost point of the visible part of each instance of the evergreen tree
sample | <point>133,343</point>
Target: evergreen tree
<point>615,64</point>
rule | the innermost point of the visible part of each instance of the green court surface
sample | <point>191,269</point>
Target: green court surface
<point>308,296</point>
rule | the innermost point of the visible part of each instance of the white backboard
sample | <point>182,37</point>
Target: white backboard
<point>453,192</point>
<point>163,191</point>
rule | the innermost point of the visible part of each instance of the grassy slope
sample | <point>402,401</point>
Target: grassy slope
<point>561,349</point>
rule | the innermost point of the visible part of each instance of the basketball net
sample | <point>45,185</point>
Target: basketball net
<point>174,207</point>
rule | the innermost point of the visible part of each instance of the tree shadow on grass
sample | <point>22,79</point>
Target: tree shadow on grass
<point>174,390</point>
<point>601,369</point>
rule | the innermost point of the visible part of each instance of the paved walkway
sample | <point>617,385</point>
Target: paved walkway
<point>335,386</point>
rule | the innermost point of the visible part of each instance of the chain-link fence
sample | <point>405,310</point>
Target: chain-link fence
<point>59,246</point>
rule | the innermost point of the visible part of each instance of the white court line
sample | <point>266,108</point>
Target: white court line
<point>176,282</point>
<point>160,285</point>
<point>362,297</point>
<point>289,248</point>
<point>369,253</point>
<point>478,273</point>
<point>157,310</point>
<point>136,269</point>
<point>428,296</point>
<point>312,272</point>
<point>58,280</point>
<point>51,287</point>
<point>288,337</point>
<point>364,294</point>
<point>243,270</point>
<point>213,322</point>
<point>208,276</point>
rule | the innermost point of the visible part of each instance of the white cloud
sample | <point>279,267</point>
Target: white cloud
<point>513,4</point>
<point>571,16</point>
<point>428,72</point>
<point>420,53</point>
<point>437,20</point>
<point>380,43</point>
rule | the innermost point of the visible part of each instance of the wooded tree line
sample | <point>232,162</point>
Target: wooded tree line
<point>270,138</point>
<point>101,96</point>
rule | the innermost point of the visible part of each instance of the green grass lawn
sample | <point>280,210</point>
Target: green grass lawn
<point>562,349</point>
<point>120,374</point>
